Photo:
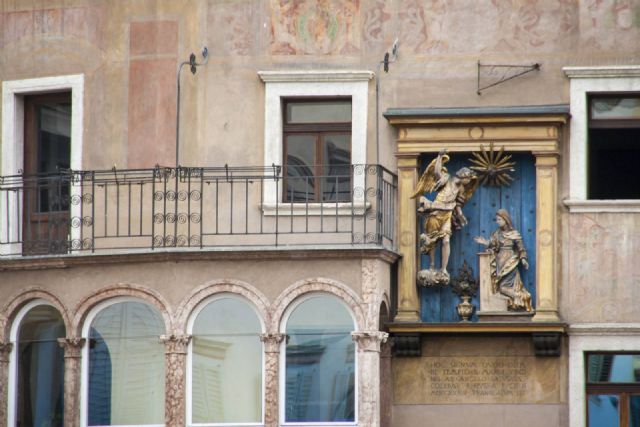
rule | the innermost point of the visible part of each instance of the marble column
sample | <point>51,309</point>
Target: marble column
<point>369,376</point>
<point>386,383</point>
<point>176,347</point>
<point>271,365</point>
<point>72,378</point>
<point>5,352</point>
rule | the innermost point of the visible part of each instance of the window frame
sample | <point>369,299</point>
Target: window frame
<point>84,381</point>
<point>312,84</point>
<point>189,366</point>
<point>12,398</point>
<point>585,82</point>
<point>622,390</point>
<point>283,366</point>
<point>13,141</point>
<point>319,130</point>
<point>594,338</point>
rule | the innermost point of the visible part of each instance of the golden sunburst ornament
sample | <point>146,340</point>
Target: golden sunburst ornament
<point>493,167</point>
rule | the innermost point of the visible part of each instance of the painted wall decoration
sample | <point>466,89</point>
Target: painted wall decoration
<point>320,27</point>
<point>438,304</point>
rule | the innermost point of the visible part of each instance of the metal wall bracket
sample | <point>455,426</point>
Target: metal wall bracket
<point>500,73</point>
<point>407,345</point>
<point>547,344</point>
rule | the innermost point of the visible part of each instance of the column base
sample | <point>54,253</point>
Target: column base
<point>546,316</point>
<point>407,316</point>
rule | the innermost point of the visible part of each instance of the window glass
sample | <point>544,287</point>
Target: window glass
<point>603,410</point>
<point>336,185</point>
<point>40,394</point>
<point>126,366</point>
<point>634,410</point>
<point>320,363</point>
<point>227,364</point>
<point>615,108</point>
<point>319,112</point>
<point>615,368</point>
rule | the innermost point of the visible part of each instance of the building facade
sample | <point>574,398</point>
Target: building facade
<point>235,212</point>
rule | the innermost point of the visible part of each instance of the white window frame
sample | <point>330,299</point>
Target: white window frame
<point>84,383</point>
<point>283,365</point>
<point>594,337</point>
<point>13,93</point>
<point>328,83</point>
<point>12,399</point>
<point>585,81</point>
<point>189,390</point>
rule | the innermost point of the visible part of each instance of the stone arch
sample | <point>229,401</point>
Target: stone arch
<point>235,287</point>
<point>317,285</point>
<point>25,296</point>
<point>384,313</point>
<point>122,290</point>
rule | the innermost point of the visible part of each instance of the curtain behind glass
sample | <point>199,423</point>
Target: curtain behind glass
<point>40,369</point>
<point>320,365</point>
<point>227,364</point>
<point>126,366</point>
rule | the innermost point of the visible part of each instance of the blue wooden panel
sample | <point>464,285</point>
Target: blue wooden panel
<point>438,305</point>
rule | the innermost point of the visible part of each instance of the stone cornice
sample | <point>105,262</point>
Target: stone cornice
<point>290,76</point>
<point>240,254</point>
<point>606,71</point>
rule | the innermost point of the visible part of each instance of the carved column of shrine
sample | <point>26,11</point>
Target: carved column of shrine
<point>369,376</point>
<point>72,378</point>
<point>271,366</point>
<point>408,301</point>
<point>546,237</point>
<point>176,347</point>
<point>5,352</point>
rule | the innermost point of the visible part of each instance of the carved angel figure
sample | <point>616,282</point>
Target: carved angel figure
<point>507,254</point>
<point>443,214</point>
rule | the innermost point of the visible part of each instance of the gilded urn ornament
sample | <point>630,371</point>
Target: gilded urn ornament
<point>465,286</point>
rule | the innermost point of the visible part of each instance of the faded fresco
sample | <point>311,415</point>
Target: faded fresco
<point>376,24</point>
<point>316,27</point>
<point>604,282</point>
<point>82,23</point>
<point>233,28</point>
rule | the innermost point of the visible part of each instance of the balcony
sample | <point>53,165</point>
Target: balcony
<point>191,208</point>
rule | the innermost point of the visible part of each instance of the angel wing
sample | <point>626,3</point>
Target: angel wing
<point>430,181</point>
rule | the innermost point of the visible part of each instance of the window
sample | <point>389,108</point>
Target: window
<point>16,95</point>
<point>613,389</point>
<point>282,86</point>
<point>124,366</point>
<point>226,364</point>
<point>319,363</point>
<point>38,399</point>
<point>317,150</point>
<point>614,146</point>
<point>47,151</point>
<point>604,128</point>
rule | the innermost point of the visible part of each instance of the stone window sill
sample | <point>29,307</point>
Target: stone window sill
<point>602,206</point>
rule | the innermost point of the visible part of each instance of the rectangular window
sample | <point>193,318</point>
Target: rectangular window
<point>47,152</point>
<point>613,146</point>
<point>613,389</point>
<point>317,150</point>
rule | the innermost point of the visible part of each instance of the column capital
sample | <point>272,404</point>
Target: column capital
<point>272,341</point>
<point>72,346</point>
<point>369,340</point>
<point>175,343</point>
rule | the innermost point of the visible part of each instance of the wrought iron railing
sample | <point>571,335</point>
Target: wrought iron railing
<point>186,207</point>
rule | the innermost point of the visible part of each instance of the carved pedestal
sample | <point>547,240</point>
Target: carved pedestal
<point>176,347</point>
<point>369,376</point>
<point>271,363</point>
<point>5,352</point>
<point>72,378</point>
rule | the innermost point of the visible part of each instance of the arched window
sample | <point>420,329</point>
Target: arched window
<point>124,365</point>
<point>38,373</point>
<point>225,380</point>
<point>319,363</point>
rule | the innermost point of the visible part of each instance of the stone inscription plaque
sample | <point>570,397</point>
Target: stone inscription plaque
<point>483,379</point>
<point>477,377</point>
